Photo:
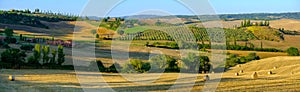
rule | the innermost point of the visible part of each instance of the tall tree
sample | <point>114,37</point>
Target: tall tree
<point>37,11</point>
<point>37,52</point>
<point>242,24</point>
<point>53,53</point>
<point>245,23</point>
<point>248,23</point>
<point>8,33</point>
<point>60,55</point>
<point>204,64</point>
<point>21,37</point>
<point>46,51</point>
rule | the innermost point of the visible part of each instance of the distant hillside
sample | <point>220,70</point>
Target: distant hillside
<point>33,19</point>
<point>252,16</point>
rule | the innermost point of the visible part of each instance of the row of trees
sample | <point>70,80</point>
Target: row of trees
<point>42,53</point>
<point>247,23</point>
<point>173,45</point>
<point>16,57</point>
<point>235,59</point>
<point>161,63</point>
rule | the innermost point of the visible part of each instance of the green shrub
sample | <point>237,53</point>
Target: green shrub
<point>27,47</point>
<point>13,56</point>
<point>232,61</point>
<point>136,65</point>
<point>161,62</point>
<point>204,64</point>
<point>252,56</point>
<point>292,51</point>
<point>195,63</point>
<point>60,55</point>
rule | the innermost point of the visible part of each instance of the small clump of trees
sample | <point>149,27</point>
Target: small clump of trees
<point>196,63</point>
<point>163,62</point>
<point>12,58</point>
<point>292,51</point>
<point>136,66</point>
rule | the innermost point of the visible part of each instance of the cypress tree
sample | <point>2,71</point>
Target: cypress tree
<point>242,24</point>
<point>60,55</point>
<point>248,23</point>
<point>46,51</point>
<point>53,52</point>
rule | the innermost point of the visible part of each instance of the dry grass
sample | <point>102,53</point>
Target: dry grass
<point>288,24</point>
<point>62,80</point>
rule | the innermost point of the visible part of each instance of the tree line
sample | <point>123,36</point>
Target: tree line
<point>160,63</point>
<point>247,23</point>
<point>16,58</point>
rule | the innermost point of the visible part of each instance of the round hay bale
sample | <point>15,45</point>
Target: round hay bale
<point>274,67</point>
<point>241,71</point>
<point>292,72</point>
<point>236,74</point>
<point>254,75</point>
<point>206,78</point>
<point>11,77</point>
<point>270,72</point>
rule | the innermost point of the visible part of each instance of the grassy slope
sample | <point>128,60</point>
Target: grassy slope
<point>264,32</point>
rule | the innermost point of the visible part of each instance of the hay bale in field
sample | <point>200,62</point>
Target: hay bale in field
<point>274,67</point>
<point>241,71</point>
<point>270,72</point>
<point>236,74</point>
<point>254,75</point>
<point>11,77</point>
<point>206,78</point>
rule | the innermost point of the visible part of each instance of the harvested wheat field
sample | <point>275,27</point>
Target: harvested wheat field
<point>285,77</point>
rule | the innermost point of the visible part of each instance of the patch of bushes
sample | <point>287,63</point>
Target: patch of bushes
<point>163,63</point>
<point>136,66</point>
<point>235,59</point>
<point>195,63</point>
<point>13,57</point>
<point>27,47</point>
<point>292,51</point>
